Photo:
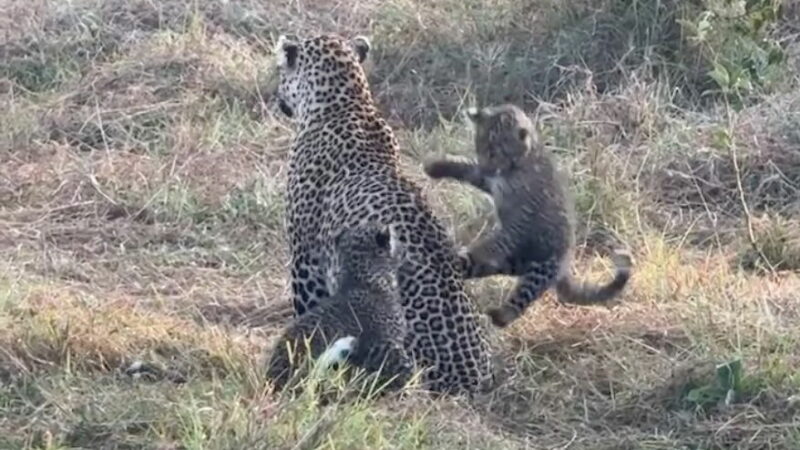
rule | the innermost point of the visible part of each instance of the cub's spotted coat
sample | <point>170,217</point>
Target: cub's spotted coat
<point>534,238</point>
<point>362,322</point>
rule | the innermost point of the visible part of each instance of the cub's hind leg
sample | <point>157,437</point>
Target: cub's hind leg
<point>486,257</point>
<point>538,278</point>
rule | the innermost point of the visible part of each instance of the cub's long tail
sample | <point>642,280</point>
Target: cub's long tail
<point>583,294</point>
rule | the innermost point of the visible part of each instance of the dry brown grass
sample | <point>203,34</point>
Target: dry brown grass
<point>141,219</point>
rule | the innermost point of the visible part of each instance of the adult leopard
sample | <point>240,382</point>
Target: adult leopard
<point>344,172</point>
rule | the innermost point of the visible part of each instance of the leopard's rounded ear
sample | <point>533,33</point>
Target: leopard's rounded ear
<point>361,46</point>
<point>286,51</point>
<point>523,135</point>
<point>383,238</point>
<point>396,248</point>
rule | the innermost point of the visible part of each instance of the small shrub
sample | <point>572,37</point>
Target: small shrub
<point>725,388</point>
<point>733,38</point>
<point>777,240</point>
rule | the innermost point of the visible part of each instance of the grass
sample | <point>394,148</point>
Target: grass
<point>141,221</point>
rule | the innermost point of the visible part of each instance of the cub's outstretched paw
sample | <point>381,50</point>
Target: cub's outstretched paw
<point>439,168</point>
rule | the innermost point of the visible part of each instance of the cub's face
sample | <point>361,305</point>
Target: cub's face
<point>368,251</point>
<point>503,135</point>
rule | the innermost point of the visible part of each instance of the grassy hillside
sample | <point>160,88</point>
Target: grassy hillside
<point>141,199</point>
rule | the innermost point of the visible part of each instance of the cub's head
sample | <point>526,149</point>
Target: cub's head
<point>503,134</point>
<point>369,253</point>
<point>320,74</point>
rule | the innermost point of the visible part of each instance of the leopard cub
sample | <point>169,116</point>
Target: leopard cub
<point>362,323</point>
<point>534,235</point>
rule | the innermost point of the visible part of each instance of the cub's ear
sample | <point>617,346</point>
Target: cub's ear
<point>523,135</point>
<point>383,238</point>
<point>286,50</point>
<point>396,248</point>
<point>361,46</point>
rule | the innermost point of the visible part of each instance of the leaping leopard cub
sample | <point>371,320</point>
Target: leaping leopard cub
<point>534,236</point>
<point>363,322</point>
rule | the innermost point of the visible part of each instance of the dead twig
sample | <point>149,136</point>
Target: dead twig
<point>748,218</point>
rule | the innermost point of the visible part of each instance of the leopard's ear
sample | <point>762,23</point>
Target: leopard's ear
<point>383,238</point>
<point>523,135</point>
<point>286,51</point>
<point>361,46</point>
<point>396,248</point>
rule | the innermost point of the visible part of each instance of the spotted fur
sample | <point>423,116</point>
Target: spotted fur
<point>343,171</point>
<point>534,239</point>
<point>362,323</point>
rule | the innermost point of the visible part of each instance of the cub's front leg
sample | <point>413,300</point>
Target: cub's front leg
<point>461,171</point>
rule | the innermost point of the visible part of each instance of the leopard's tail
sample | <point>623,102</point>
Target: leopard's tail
<point>583,294</point>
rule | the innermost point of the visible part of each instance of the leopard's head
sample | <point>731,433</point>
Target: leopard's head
<point>319,75</point>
